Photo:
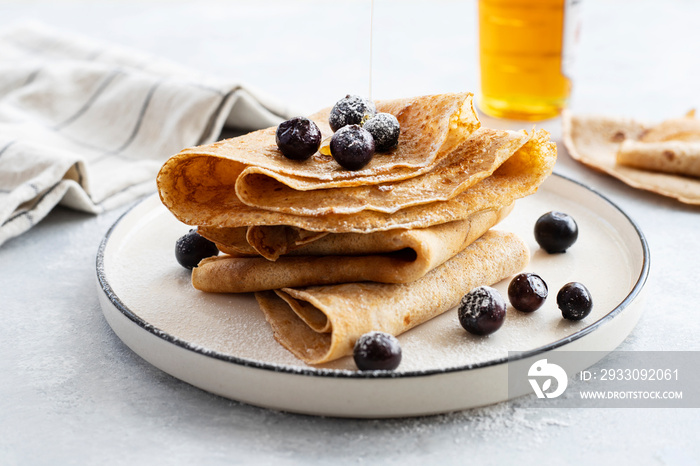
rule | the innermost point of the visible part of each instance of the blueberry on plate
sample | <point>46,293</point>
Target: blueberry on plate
<point>191,248</point>
<point>352,147</point>
<point>556,231</point>
<point>351,110</point>
<point>385,129</point>
<point>482,310</point>
<point>574,301</point>
<point>298,138</point>
<point>377,351</point>
<point>527,292</point>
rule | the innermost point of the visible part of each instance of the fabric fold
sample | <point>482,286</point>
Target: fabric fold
<point>117,114</point>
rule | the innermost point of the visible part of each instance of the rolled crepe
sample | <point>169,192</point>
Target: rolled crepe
<point>272,242</point>
<point>679,157</point>
<point>397,256</point>
<point>321,323</point>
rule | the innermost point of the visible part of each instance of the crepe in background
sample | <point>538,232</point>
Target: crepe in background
<point>675,157</point>
<point>686,129</point>
<point>395,256</point>
<point>660,158</point>
<point>672,146</point>
<point>321,323</point>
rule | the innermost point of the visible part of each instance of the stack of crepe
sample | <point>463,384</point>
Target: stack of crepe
<point>332,254</point>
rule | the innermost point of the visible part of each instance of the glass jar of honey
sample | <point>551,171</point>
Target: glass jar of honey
<point>525,53</point>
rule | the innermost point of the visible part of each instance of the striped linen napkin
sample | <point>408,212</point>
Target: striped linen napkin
<point>88,125</point>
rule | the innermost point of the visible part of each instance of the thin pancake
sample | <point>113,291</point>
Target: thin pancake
<point>686,128</point>
<point>315,323</point>
<point>475,159</point>
<point>677,157</point>
<point>595,140</point>
<point>517,177</point>
<point>197,179</point>
<point>267,241</point>
<point>399,256</point>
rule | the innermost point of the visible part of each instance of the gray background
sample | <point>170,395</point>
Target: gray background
<point>72,393</point>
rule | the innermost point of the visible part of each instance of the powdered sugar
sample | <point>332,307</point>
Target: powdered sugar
<point>478,301</point>
<point>385,129</point>
<point>351,110</point>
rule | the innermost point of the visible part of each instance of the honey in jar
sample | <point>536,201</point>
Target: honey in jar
<point>525,54</point>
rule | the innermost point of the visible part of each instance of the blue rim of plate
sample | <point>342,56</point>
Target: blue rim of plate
<point>342,373</point>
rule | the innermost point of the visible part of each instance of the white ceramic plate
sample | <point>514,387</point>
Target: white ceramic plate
<point>222,344</point>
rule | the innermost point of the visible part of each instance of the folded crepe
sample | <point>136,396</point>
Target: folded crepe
<point>332,253</point>
<point>321,323</point>
<point>672,146</point>
<point>476,158</point>
<point>266,241</point>
<point>677,157</point>
<point>518,176</point>
<point>395,256</point>
<point>663,158</point>
<point>199,184</point>
<point>686,128</point>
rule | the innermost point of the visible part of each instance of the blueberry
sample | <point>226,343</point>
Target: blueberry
<point>385,129</point>
<point>575,301</point>
<point>555,232</point>
<point>482,311</point>
<point>527,292</point>
<point>351,110</point>
<point>377,351</point>
<point>298,138</point>
<point>352,147</point>
<point>192,248</point>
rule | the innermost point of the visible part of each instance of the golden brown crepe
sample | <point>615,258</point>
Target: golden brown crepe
<point>321,323</point>
<point>664,150</point>
<point>267,241</point>
<point>519,176</point>
<point>333,253</point>
<point>473,160</point>
<point>197,184</point>
<point>396,256</point>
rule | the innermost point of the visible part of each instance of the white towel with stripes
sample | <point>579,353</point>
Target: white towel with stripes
<point>88,125</point>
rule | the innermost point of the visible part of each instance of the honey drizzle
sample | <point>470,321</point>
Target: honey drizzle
<point>371,30</point>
